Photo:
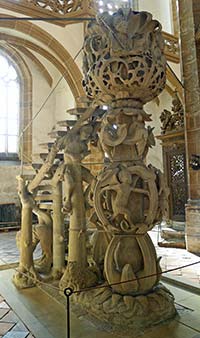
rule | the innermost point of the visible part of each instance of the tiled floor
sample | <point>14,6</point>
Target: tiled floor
<point>10,324</point>
<point>173,258</point>
<point>46,319</point>
<point>9,254</point>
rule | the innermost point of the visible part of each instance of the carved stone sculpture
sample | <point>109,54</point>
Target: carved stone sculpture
<point>26,276</point>
<point>78,274</point>
<point>173,121</point>
<point>124,68</point>
<point>42,233</point>
<point>62,7</point>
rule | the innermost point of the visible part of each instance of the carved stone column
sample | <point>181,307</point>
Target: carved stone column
<point>192,120</point>
<point>26,275</point>
<point>58,232</point>
<point>124,68</point>
<point>77,274</point>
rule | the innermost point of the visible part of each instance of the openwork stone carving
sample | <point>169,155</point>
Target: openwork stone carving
<point>60,6</point>
<point>124,57</point>
<point>124,67</point>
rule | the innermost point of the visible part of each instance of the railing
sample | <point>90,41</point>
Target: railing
<point>52,9</point>
<point>172,50</point>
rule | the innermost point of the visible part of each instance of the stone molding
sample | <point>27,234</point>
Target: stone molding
<point>52,9</point>
<point>71,71</point>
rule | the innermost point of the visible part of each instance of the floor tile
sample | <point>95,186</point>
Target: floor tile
<point>13,334</point>
<point>3,312</point>
<point>4,305</point>
<point>11,317</point>
<point>4,327</point>
<point>20,327</point>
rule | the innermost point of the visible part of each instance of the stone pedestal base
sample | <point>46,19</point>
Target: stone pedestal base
<point>126,313</point>
<point>25,278</point>
<point>193,227</point>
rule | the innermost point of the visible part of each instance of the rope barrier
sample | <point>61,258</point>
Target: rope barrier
<point>121,234</point>
<point>39,282</point>
<point>135,279</point>
<point>27,18</point>
<point>68,292</point>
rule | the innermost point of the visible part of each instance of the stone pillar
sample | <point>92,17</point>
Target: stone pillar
<point>192,120</point>
<point>58,232</point>
<point>77,231</point>
<point>26,275</point>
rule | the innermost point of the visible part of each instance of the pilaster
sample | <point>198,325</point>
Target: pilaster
<point>192,118</point>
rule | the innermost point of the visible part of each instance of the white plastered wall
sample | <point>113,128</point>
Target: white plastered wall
<point>54,110</point>
<point>165,102</point>
<point>161,11</point>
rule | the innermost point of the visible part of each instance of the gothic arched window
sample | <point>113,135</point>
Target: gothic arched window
<point>9,108</point>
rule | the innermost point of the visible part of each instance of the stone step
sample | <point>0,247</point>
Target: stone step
<point>76,111</point>
<point>46,145</point>
<point>59,156</point>
<point>28,177</point>
<point>44,187</point>
<point>57,133</point>
<point>83,99</point>
<point>46,205</point>
<point>37,166</point>
<point>66,123</point>
<point>45,197</point>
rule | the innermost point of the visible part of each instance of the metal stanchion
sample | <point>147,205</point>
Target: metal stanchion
<point>68,292</point>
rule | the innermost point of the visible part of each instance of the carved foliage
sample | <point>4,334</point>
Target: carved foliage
<point>58,6</point>
<point>124,57</point>
<point>173,120</point>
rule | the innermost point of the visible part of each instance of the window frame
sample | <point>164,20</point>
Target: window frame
<point>7,155</point>
<point>25,105</point>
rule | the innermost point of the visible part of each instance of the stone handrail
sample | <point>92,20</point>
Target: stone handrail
<point>172,50</point>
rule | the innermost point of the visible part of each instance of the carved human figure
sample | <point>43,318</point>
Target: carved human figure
<point>26,276</point>
<point>76,148</point>
<point>121,212</point>
<point>41,233</point>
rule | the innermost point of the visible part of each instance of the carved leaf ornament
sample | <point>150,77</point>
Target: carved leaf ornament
<point>58,6</point>
<point>124,57</point>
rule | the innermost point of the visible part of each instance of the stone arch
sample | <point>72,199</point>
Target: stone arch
<point>19,43</point>
<point>73,73</point>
